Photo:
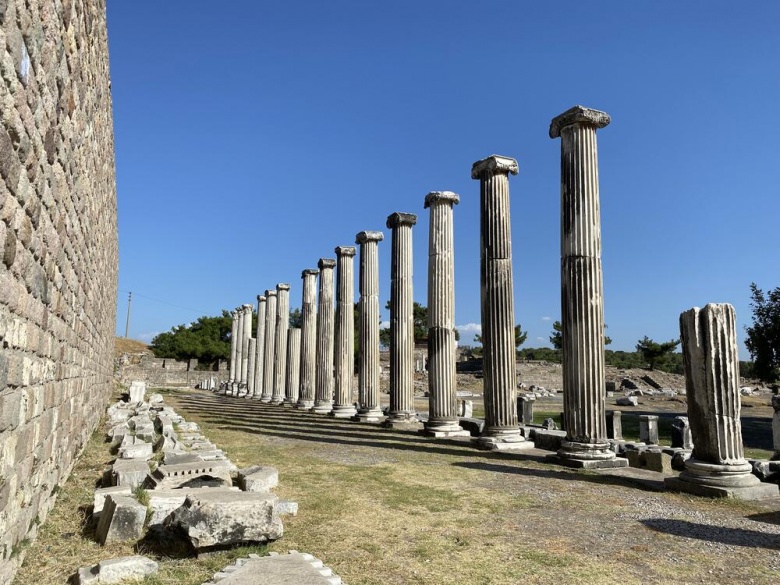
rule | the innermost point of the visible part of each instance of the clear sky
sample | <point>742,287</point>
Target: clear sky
<point>252,138</point>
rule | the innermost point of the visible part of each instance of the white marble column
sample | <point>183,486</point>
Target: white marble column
<point>323,402</point>
<point>344,361</point>
<point>233,351</point>
<point>368,352</point>
<point>246,332</point>
<point>237,387</point>
<point>280,342</point>
<point>308,375</point>
<point>270,346</point>
<point>717,466</point>
<point>250,373</point>
<point>259,348</point>
<point>402,412</point>
<point>582,293</point>
<point>442,382</point>
<point>292,382</point>
<point>502,429</point>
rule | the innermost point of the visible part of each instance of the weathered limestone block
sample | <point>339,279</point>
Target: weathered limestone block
<point>219,519</point>
<point>129,472</point>
<point>137,391</point>
<point>258,478</point>
<point>164,501</point>
<point>164,426</point>
<point>293,567</point>
<point>187,475</point>
<point>118,570</point>
<point>776,425</point>
<point>717,466</point>
<point>102,493</point>
<point>135,448</point>
<point>615,425</point>
<point>648,429</point>
<point>122,519</point>
<point>681,433</point>
<point>525,407</point>
<point>627,401</point>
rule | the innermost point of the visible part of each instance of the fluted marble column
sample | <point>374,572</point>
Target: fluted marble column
<point>269,351</point>
<point>233,350</point>
<point>323,402</point>
<point>344,360</point>
<point>292,381</point>
<point>308,375</point>
<point>250,373</point>
<point>368,365</point>
<point>582,293</point>
<point>259,348</point>
<point>717,466</point>
<point>442,402</point>
<point>401,411</point>
<point>501,430</point>
<point>246,333</point>
<point>280,341</point>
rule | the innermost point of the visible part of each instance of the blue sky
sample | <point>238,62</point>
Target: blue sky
<point>253,139</point>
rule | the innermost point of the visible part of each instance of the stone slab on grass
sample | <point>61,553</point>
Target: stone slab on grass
<point>163,502</point>
<point>258,478</point>
<point>293,568</point>
<point>220,519</point>
<point>122,519</point>
<point>118,570</point>
<point>129,472</point>
<point>196,474</point>
<point>102,493</point>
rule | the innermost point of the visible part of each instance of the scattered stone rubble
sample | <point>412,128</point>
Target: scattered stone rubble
<point>276,569</point>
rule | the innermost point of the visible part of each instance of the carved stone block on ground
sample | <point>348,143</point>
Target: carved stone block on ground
<point>277,569</point>
<point>122,519</point>
<point>102,493</point>
<point>129,472</point>
<point>198,474</point>
<point>137,391</point>
<point>118,570</point>
<point>220,519</point>
<point>163,502</point>
<point>258,478</point>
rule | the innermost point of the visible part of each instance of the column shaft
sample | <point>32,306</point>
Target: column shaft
<point>292,383</point>
<point>343,406</point>
<point>280,341</point>
<point>233,347</point>
<point>402,410</point>
<point>368,355</point>
<point>270,347</point>
<point>246,333</point>
<point>250,376</point>
<point>259,347</point>
<point>442,403</point>
<point>323,402</point>
<point>308,374</point>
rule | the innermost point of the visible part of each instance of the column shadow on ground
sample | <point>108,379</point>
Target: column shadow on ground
<point>709,533</point>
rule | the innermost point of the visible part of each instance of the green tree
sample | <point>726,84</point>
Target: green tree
<point>296,318</point>
<point>420,316</point>
<point>763,336</point>
<point>656,354</point>
<point>557,336</point>
<point>207,339</point>
<point>520,336</point>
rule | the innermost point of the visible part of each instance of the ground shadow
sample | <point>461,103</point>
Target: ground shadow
<point>768,517</point>
<point>709,533</point>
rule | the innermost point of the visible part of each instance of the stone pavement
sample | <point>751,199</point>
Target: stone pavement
<point>294,568</point>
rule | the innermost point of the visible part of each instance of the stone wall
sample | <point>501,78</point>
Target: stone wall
<point>169,373</point>
<point>58,241</point>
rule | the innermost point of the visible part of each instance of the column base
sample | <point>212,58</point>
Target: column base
<point>587,456</point>
<point>289,403</point>
<point>444,431</point>
<point>369,415</point>
<point>503,441</point>
<point>720,481</point>
<point>322,407</point>
<point>254,397</point>
<point>304,404</point>
<point>265,398</point>
<point>402,420</point>
<point>340,411</point>
<point>276,400</point>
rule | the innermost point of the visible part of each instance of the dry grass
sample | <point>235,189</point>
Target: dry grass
<point>124,345</point>
<point>390,507</point>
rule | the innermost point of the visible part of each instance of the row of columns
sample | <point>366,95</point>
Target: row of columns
<point>581,301</point>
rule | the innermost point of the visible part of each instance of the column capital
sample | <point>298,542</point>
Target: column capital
<point>247,307</point>
<point>578,115</point>
<point>326,263</point>
<point>365,237</point>
<point>398,219</point>
<point>309,272</point>
<point>345,251</point>
<point>270,293</point>
<point>493,165</point>
<point>282,286</point>
<point>441,196</point>
<point>260,299</point>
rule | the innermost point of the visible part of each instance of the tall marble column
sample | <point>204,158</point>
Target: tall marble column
<point>292,381</point>
<point>442,402</point>
<point>269,350</point>
<point>582,293</point>
<point>239,349</point>
<point>308,375</point>
<point>401,413</point>
<point>280,341</point>
<point>717,466</point>
<point>246,332</point>
<point>323,402</point>
<point>250,374</point>
<point>344,361</point>
<point>368,355</point>
<point>259,347</point>
<point>233,350</point>
<point>502,429</point>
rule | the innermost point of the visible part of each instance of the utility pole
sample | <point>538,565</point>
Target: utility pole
<point>127,323</point>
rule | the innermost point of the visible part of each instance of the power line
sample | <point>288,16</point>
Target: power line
<point>200,311</point>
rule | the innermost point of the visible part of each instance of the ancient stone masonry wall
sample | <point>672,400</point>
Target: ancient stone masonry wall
<point>58,242</point>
